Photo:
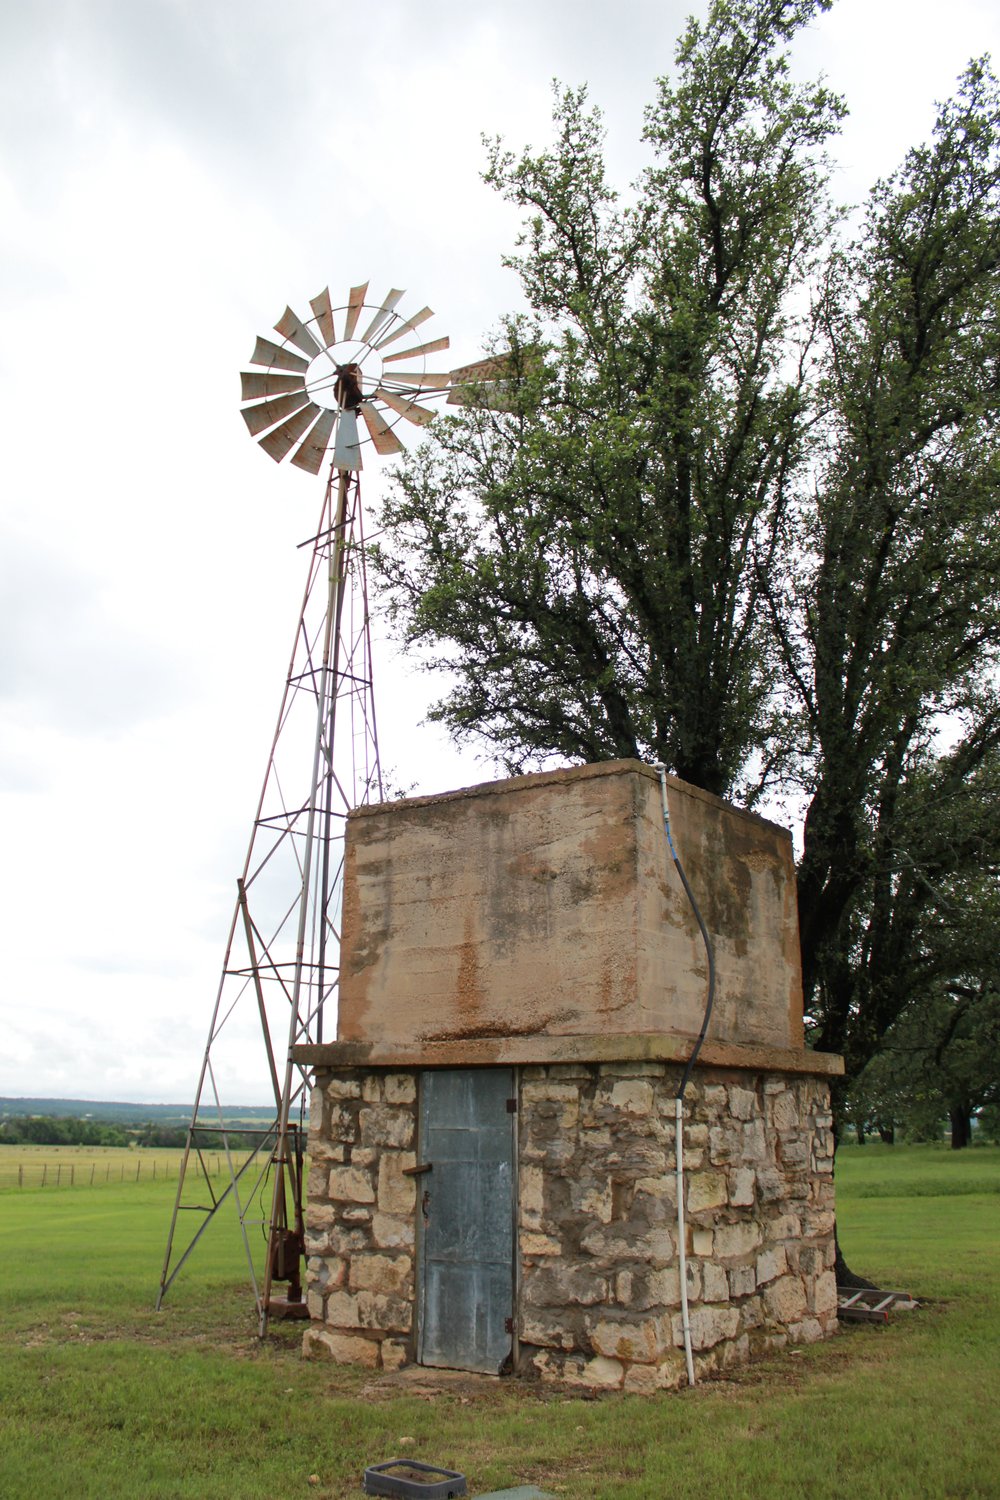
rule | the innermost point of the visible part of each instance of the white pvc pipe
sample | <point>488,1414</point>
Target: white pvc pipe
<point>682,1233</point>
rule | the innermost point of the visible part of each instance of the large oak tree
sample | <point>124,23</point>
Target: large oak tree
<point>738,507</point>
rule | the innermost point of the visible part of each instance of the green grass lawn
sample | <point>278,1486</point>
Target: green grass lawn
<point>100,1396</point>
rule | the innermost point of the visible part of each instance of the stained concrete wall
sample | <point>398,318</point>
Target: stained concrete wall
<point>547,905</point>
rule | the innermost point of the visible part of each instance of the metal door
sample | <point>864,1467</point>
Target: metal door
<point>466,1218</point>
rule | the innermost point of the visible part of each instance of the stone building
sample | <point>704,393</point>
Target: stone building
<point>492,1138</point>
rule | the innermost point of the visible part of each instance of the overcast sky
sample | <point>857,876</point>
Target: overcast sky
<point>172,172</point>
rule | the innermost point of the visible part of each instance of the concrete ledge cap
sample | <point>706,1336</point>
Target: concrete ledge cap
<point>471,1052</point>
<point>511,784</point>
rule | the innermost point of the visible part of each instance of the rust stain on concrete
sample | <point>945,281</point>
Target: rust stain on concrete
<point>467,989</point>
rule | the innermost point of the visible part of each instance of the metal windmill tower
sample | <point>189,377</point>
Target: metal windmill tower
<point>279,975</point>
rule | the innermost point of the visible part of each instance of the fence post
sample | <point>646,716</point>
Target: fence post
<point>20,1176</point>
<point>72,1174</point>
<point>93,1165</point>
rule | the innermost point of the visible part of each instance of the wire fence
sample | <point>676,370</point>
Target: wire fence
<point>28,1173</point>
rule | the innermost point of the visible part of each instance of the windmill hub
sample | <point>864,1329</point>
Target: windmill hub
<point>335,379</point>
<point>348,388</point>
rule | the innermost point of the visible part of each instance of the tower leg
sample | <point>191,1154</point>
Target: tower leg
<point>286,921</point>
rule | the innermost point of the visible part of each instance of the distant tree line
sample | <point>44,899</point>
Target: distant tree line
<point>939,1061</point>
<point>53,1130</point>
<point>48,1130</point>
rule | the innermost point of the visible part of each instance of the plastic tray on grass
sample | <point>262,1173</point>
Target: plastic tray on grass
<point>414,1479</point>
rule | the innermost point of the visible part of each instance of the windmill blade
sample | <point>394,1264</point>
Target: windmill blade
<point>408,409</point>
<point>410,326</point>
<point>266,353</point>
<point>311,452</point>
<point>382,316</point>
<point>347,449</point>
<point>256,386</point>
<point>431,348</point>
<point>279,442</point>
<point>416,380</point>
<point>355,303</point>
<point>267,413</point>
<point>289,326</point>
<point>383,438</point>
<point>324,316</point>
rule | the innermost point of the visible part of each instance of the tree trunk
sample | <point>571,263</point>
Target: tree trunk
<point>845,1276</point>
<point>888,1134</point>
<point>961,1127</point>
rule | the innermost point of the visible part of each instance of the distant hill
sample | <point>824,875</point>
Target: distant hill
<point>128,1114</point>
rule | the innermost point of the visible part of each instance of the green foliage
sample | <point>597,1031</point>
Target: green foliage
<point>67,1130</point>
<point>585,563</point>
<point>893,617</point>
<point>738,508</point>
<point>160,1135</point>
<point>64,1130</point>
<point>940,1059</point>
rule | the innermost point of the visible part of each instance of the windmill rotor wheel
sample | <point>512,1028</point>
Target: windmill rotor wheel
<point>344,361</point>
<point>306,392</point>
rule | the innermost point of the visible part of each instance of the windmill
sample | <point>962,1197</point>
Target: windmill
<point>345,377</point>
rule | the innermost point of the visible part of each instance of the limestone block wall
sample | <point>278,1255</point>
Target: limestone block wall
<point>598,1294</point>
<point>361,1218</point>
<point>600,1291</point>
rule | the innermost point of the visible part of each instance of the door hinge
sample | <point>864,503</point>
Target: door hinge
<point>512,1106</point>
<point>508,1325</point>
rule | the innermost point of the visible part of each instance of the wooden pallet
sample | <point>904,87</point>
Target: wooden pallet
<point>871,1304</point>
